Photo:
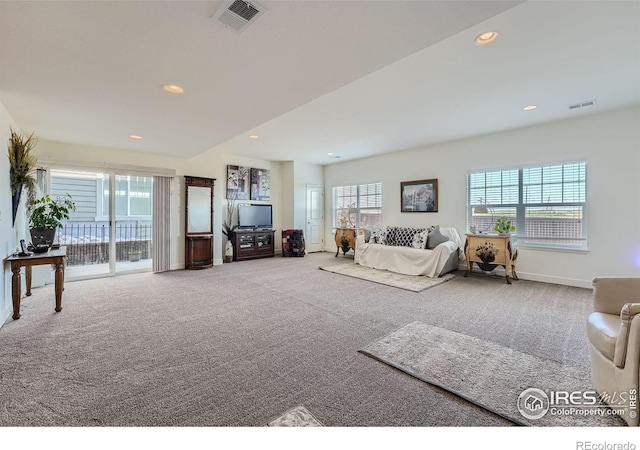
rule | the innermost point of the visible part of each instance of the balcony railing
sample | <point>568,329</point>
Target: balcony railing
<point>88,243</point>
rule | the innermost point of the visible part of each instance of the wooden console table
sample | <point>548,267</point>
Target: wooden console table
<point>505,250</point>
<point>346,239</point>
<point>55,257</point>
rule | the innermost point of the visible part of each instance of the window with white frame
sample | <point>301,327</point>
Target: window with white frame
<point>133,196</point>
<point>357,205</point>
<point>546,203</point>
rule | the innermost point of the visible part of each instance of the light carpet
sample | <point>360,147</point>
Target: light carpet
<point>408,282</point>
<point>239,344</point>
<point>487,374</point>
<point>296,417</point>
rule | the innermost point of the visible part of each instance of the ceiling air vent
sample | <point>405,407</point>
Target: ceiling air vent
<point>583,104</point>
<point>238,14</point>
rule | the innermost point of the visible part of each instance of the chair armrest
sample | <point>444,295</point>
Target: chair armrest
<point>611,293</point>
<point>628,312</point>
<point>359,240</point>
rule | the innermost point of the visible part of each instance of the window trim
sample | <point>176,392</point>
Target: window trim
<point>521,207</point>
<point>358,209</point>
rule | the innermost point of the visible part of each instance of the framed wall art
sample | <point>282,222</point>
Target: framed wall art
<point>260,184</point>
<point>238,182</point>
<point>419,196</point>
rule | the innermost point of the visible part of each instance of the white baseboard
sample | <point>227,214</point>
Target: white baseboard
<point>4,315</point>
<point>539,277</point>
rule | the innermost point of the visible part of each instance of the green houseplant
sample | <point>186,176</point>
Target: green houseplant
<point>22,166</point>
<point>504,226</point>
<point>46,216</point>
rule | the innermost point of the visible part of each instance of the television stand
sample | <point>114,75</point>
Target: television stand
<point>253,244</point>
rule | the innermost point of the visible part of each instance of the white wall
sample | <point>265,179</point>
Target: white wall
<point>296,176</point>
<point>610,143</point>
<point>74,155</point>
<point>288,195</point>
<point>8,241</point>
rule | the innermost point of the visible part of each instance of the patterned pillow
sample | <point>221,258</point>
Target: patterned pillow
<point>391,236</point>
<point>420,240</point>
<point>378,236</point>
<point>404,236</point>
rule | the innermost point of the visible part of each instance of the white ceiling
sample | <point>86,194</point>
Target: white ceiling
<point>355,78</point>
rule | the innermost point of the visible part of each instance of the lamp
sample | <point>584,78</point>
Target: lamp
<point>485,208</point>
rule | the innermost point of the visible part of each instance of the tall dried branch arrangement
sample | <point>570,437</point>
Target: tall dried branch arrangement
<point>22,164</point>
<point>227,228</point>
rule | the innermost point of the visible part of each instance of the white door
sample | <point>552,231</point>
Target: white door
<point>314,233</point>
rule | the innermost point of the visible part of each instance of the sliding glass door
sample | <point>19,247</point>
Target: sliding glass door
<point>110,231</point>
<point>133,222</point>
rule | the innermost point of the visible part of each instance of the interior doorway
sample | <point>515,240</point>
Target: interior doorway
<point>314,232</point>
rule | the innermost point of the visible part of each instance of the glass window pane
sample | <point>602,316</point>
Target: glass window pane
<point>557,224</point>
<point>359,205</point>
<point>122,196</point>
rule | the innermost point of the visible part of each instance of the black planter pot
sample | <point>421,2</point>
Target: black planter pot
<point>486,263</point>
<point>44,237</point>
<point>487,267</point>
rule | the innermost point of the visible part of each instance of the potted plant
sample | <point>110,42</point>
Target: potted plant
<point>504,226</point>
<point>46,216</point>
<point>22,165</point>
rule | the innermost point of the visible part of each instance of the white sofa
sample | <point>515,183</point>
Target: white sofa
<point>407,260</point>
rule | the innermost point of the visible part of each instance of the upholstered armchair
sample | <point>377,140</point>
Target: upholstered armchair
<point>614,337</point>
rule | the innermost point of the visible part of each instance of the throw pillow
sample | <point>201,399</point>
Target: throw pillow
<point>390,236</point>
<point>436,238</point>
<point>367,234</point>
<point>404,236</point>
<point>378,236</point>
<point>420,240</point>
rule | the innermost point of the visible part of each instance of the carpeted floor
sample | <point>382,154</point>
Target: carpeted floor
<point>242,343</point>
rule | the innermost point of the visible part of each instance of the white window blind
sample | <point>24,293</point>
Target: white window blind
<point>547,203</point>
<point>359,205</point>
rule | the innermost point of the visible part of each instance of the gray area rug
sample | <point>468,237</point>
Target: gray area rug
<point>490,375</point>
<point>296,417</point>
<point>409,282</point>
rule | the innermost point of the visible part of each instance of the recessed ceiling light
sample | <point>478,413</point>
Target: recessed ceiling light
<point>173,89</point>
<point>330,154</point>
<point>253,136</point>
<point>135,136</point>
<point>486,38</point>
<point>529,107</point>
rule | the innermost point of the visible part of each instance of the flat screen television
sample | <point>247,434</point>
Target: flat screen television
<point>255,216</point>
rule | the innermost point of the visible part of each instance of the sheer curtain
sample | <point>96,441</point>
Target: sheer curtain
<point>161,223</point>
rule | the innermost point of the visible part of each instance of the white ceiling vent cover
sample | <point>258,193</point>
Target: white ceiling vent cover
<point>239,14</point>
<point>582,104</point>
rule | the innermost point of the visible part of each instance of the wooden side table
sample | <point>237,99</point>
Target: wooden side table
<point>346,239</point>
<point>503,247</point>
<point>55,257</point>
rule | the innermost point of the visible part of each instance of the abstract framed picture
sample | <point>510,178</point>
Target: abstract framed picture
<point>419,196</point>
<point>237,182</point>
<point>260,184</point>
